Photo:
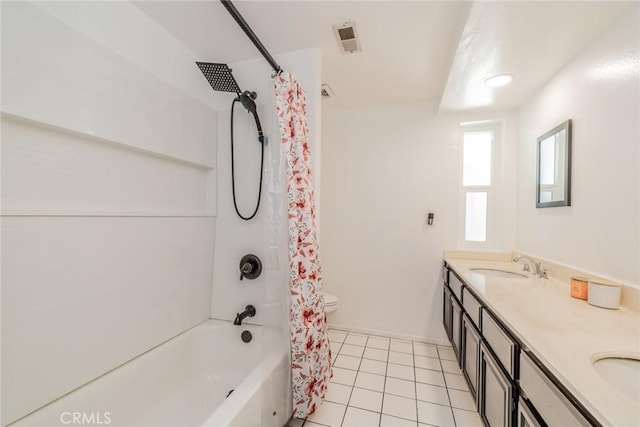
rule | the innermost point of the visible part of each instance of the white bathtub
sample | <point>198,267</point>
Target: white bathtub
<point>185,382</point>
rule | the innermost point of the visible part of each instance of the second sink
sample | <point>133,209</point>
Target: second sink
<point>621,372</point>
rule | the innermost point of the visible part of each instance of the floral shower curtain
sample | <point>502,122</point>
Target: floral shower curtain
<point>310,353</point>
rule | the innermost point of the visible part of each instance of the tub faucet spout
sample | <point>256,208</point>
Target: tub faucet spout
<point>249,311</point>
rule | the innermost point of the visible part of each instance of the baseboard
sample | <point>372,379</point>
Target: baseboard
<point>388,334</point>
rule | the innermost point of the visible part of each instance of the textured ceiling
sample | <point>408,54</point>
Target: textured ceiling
<point>416,50</point>
<point>530,40</point>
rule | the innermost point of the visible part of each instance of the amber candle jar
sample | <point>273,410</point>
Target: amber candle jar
<point>580,287</point>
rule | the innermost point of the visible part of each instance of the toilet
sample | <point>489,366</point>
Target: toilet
<point>330,303</point>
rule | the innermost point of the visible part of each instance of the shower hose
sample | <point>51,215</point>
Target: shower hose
<point>233,175</point>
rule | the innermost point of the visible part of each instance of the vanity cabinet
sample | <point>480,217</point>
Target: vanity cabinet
<point>511,387</point>
<point>491,384</point>
<point>485,350</point>
<point>496,394</point>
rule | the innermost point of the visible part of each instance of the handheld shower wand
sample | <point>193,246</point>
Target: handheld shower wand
<point>246,98</point>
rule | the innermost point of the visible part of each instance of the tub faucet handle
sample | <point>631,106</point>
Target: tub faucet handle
<point>245,269</point>
<point>250,267</point>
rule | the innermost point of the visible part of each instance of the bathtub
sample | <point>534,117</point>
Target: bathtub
<point>186,382</point>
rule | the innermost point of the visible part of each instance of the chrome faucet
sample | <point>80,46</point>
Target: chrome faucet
<point>536,265</point>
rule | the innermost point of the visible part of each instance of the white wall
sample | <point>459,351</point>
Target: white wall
<point>384,168</point>
<point>599,90</point>
<point>108,195</point>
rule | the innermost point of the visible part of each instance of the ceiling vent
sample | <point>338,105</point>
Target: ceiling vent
<point>347,36</point>
<point>326,91</point>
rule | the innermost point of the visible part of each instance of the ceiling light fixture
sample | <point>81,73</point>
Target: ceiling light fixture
<point>499,80</point>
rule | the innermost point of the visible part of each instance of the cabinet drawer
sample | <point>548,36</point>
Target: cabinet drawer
<point>456,285</point>
<point>551,404</point>
<point>471,306</point>
<point>500,342</point>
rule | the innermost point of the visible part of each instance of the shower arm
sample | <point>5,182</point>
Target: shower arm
<point>252,36</point>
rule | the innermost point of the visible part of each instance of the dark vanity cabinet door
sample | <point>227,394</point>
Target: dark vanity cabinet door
<point>456,327</point>
<point>470,354</point>
<point>446,311</point>
<point>496,392</point>
<point>526,418</point>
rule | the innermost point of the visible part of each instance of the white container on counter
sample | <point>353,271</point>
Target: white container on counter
<point>604,294</point>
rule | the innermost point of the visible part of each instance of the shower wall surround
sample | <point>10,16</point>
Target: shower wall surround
<point>599,90</point>
<point>108,191</point>
<point>266,234</point>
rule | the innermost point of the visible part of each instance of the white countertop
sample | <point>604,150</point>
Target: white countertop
<point>565,333</point>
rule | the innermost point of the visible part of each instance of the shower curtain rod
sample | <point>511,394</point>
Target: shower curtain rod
<point>252,36</point>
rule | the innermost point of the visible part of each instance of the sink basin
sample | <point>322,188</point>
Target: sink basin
<point>498,273</point>
<point>621,372</point>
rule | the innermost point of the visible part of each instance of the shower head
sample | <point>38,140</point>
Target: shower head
<point>219,77</point>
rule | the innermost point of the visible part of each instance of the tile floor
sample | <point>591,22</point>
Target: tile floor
<point>385,382</point>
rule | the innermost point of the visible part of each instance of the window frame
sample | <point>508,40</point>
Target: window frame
<point>493,232</point>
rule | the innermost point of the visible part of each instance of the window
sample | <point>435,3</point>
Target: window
<point>480,156</point>
<point>476,165</point>
<point>475,221</point>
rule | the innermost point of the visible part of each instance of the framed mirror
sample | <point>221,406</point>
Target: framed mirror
<point>553,172</point>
